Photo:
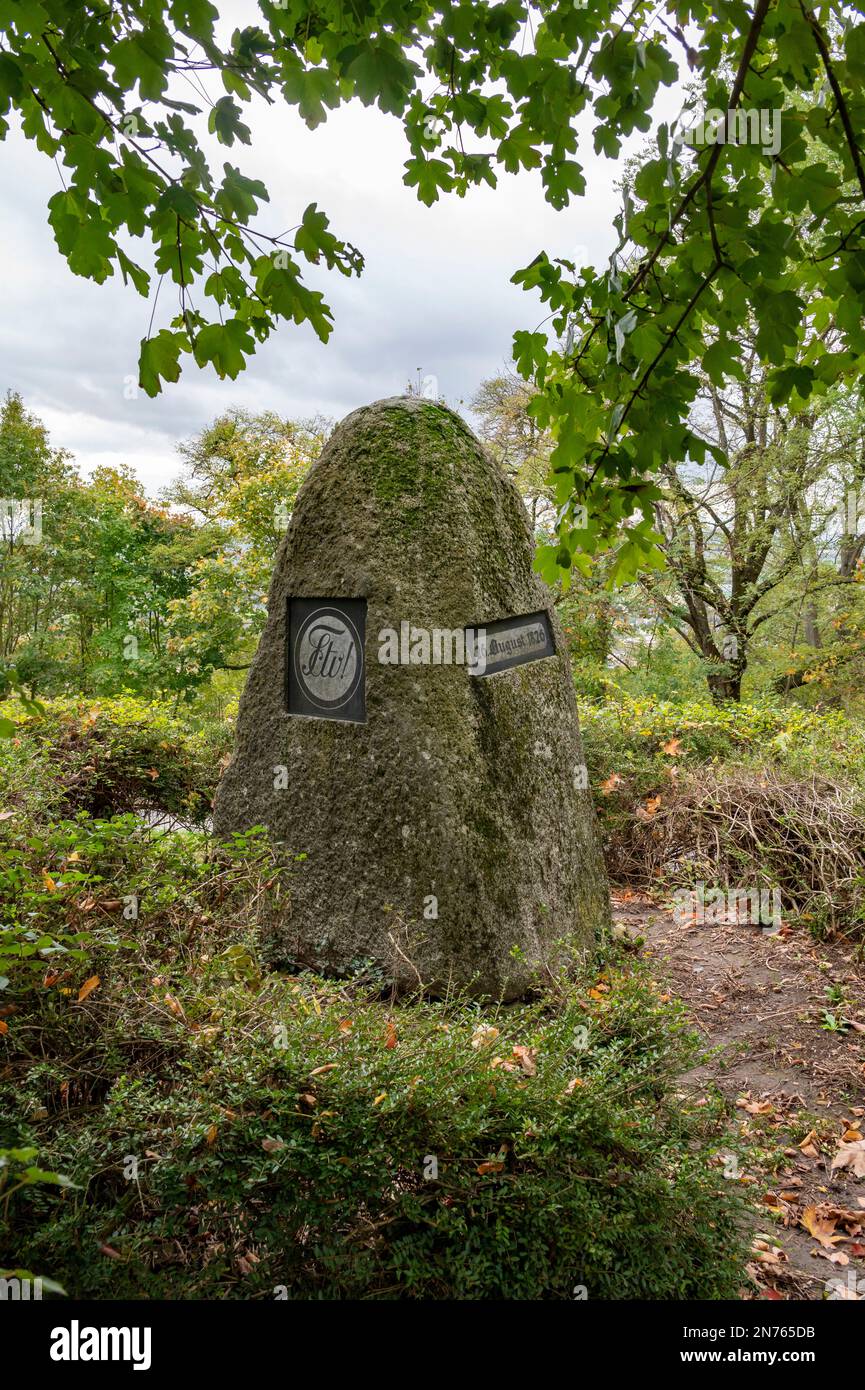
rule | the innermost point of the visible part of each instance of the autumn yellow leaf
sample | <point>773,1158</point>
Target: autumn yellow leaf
<point>822,1228</point>
<point>484,1168</point>
<point>671,748</point>
<point>48,882</point>
<point>88,987</point>
<point>611,783</point>
<point>320,1071</point>
<point>378,1100</point>
<point>211,1135</point>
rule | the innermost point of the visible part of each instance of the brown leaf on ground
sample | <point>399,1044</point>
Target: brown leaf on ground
<point>835,1257</point>
<point>851,1156</point>
<point>88,987</point>
<point>611,783</point>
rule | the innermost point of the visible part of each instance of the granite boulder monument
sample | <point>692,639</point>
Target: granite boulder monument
<point>408,731</point>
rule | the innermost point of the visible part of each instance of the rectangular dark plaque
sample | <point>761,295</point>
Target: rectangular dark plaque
<point>511,641</point>
<point>325,676</point>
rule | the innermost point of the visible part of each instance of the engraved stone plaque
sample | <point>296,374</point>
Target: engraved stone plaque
<point>325,659</point>
<point>511,641</point>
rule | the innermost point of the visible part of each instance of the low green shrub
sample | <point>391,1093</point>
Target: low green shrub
<point>231,1133</point>
<point>109,756</point>
<point>276,1137</point>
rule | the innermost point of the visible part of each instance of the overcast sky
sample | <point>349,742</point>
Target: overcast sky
<point>435,293</point>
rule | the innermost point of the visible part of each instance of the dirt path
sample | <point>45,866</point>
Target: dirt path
<point>796,1089</point>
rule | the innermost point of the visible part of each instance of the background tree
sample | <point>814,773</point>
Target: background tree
<point>730,224</point>
<point>242,475</point>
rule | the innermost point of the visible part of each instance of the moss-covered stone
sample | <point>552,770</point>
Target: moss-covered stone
<point>456,789</point>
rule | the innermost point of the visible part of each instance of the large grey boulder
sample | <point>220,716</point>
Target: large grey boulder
<point>446,831</point>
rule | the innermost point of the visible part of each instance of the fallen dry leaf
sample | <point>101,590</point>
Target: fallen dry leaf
<point>484,1168</point>
<point>611,783</point>
<point>671,748</point>
<point>175,1006</point>
<point>821,1227</point>
<point>211,1136</point>
<point>391,1038</point>
<point>526,1057</point>
<point>272,1146</point>
<point>88,987</point>
<point>484,1035</point>
<point>851,1156</point>
<point>835,1257</point>
<point>319,1071</point>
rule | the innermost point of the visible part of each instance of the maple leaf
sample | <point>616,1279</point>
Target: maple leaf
<point>649,810</point>
<point>611,783</point>
<point>851,1156</point>
<point>671,748</point>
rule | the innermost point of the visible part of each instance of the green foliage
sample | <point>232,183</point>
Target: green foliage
<point>83,603</point>
<point>714,229</point>
<point>299,1139</point>
<point>120,595</point>
<point>283,1127</point>
<point>241,479</point>
<point>109,756</point>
